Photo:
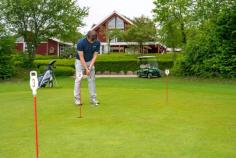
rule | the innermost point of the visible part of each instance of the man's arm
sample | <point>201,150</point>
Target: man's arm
<point>81,57</point>
<point>93,60</point>
<point>95,55</point>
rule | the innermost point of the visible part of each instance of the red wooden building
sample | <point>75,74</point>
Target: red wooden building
<point>52,46</point>
<point>118,21</point>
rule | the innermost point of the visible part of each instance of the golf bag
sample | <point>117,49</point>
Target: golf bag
<point>48,76</point>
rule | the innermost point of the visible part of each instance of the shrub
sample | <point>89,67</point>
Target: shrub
<point>22,60</point>
<point>112,66</point>
<point>46,57</point>
<point>211,52</point>
<point>60,70</point>
<point>7,68</point>
<point>116,66</point>
<point>112,62</point>
<point>59,62</point>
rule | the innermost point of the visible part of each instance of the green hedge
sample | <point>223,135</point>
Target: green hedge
<point>46,57</point>
<point>117,66</point>
<point>119,57</point>
<point>112,66</point>
<point>60,70</point>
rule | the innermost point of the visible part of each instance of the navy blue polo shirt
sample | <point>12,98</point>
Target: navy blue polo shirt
<point>87,48</point>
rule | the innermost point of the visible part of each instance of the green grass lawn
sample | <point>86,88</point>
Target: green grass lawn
<point>133,121</point>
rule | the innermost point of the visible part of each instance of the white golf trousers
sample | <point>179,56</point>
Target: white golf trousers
<point>79,72</point>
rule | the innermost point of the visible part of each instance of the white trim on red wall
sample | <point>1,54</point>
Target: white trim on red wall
<point>58,49</point>
<point>23,45</point>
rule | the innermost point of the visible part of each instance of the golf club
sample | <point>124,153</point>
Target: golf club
<point>80,106</point>
<point>80,75</point>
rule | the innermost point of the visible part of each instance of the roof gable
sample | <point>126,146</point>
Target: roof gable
<point>114,13</point>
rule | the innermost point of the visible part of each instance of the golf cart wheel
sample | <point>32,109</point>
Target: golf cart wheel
<point>149,75</point>
<point>50,84</point>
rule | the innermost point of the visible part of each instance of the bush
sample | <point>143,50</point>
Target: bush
<point>112,66</point>
<point>133,57</point>
<point>46,57</point>
<point>125,60</point>
<point>22,60</point>
<point>59,62</point>
<point>7,68</point>
<point>60,70</point>
<point>211,53</point>
<point>113,62</point>
<point>116,66</point>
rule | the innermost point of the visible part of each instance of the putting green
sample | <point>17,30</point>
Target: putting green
<point>133,120</point>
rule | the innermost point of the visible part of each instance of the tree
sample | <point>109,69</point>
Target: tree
<point>71,36</point>
<point>143,30</point>
<point>1,22</point>
<point>1,30</point>
<point>37,20</point>
<point>173,20</point>
<point>209,9</point>
<point>7,68</point>
<point>170,35</point>
<point>211,52</point>
<point>111,34</point>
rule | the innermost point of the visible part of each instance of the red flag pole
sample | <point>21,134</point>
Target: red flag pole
<point>36,127</point>
<point>34,87</point>
<point>167,89</point>
<point>167,71</point>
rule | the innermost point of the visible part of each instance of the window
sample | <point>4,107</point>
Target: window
<point>116,22</point>
<point>119,23</point>
<point>119,40</point>
<point>113,40</point>
<point>112,23</point>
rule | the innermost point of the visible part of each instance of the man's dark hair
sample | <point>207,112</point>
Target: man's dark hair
<point>91,34</point>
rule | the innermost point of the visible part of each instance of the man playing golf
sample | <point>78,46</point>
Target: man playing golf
<point>87,48</point>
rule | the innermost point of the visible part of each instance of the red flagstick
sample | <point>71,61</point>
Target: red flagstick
<point>36,127</point>
<point>34,87</point>
<point>167,89</point>
<point>167,71</point>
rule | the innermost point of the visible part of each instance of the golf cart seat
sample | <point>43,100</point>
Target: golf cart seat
<point>143,66</point>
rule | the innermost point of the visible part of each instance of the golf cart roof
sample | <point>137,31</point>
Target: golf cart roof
<point>146,57</point>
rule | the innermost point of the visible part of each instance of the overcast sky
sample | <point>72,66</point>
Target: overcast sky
<point>99,9</point>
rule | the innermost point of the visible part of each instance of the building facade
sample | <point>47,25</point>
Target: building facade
<point>52,46</point>
<point>121,22</point>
